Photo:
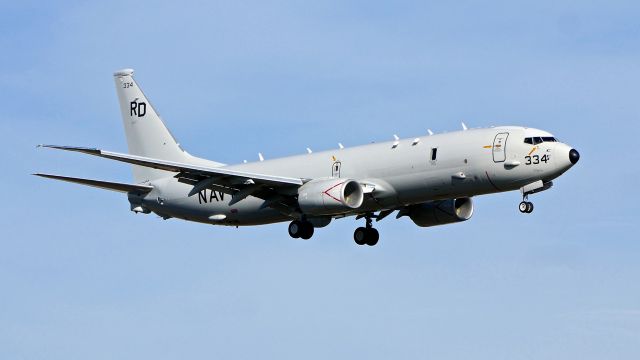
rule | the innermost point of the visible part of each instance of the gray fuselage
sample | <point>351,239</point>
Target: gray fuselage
<point>466,163</point>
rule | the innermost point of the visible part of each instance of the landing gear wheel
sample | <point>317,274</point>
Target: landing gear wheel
<point>295,229</point>
<point>301,229</point>
<point>523,207</point>
<point>529,207</point>
<point>372,236</point>
<point>307,230</point>
<point>526,207</point>
<point>366,235</point>
<point>360,235</point>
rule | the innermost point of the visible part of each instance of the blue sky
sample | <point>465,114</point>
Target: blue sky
<point>83,277</point>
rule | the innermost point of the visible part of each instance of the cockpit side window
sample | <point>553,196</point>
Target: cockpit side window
<point>537,140</point>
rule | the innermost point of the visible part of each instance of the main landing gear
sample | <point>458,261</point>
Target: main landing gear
<point>366,235</point>
<point>301,229</point>
<point>525,206</point>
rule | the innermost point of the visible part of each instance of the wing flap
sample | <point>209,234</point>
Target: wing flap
<point>108,185</point>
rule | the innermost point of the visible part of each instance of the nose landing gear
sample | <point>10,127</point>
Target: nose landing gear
<point>366,235</point>
<point>525,206</point>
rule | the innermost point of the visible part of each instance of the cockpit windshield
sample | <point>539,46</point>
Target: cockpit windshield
<point>539,139</point>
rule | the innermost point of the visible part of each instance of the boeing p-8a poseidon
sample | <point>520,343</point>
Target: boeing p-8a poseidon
<point>430,179</point>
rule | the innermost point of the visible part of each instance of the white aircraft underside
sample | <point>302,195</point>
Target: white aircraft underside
<point>431,178</point>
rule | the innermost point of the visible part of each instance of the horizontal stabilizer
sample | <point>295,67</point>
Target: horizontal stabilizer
<point>114,186</point>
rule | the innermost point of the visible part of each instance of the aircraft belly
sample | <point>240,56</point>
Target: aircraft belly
<point>209,206</point>
<point>246,212</point>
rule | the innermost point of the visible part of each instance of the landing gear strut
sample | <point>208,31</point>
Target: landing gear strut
<point>525,206</point>
<point>366,235</point>
<point>301,229</point>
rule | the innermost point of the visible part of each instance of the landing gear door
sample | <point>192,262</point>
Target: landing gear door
<point>500,147</point>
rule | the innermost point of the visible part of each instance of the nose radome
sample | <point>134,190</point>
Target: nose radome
<point>574,156</point>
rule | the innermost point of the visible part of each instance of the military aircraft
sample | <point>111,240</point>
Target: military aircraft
<point>431,178</point>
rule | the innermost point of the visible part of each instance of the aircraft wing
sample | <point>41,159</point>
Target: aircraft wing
<point>241,184</point>
<point>114,186</point>
<point>238,177</point>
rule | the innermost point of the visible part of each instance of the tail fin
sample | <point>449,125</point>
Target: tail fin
<point>146,133</point>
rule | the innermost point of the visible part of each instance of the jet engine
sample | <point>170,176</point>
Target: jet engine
<point>330,196</point>
<point>441,212</point>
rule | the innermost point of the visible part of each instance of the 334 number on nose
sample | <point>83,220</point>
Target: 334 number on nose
<point>536,159</point>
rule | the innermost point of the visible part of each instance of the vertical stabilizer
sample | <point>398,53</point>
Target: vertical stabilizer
<point>146,133</point>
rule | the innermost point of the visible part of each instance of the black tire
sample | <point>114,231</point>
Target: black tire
<point>360,236</point>
<point>372,236</point>
<point>523,207</point>
<point>296,229</point>
<point>307,230</point>
<point>529,208</point>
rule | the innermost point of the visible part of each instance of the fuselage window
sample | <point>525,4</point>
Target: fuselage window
<point>434,154</point>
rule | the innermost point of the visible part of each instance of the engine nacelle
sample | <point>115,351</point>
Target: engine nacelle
<point>330,196</point>
<point>441,212</point>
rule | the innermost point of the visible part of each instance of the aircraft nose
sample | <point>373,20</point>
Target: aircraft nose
<point>574,156</point>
